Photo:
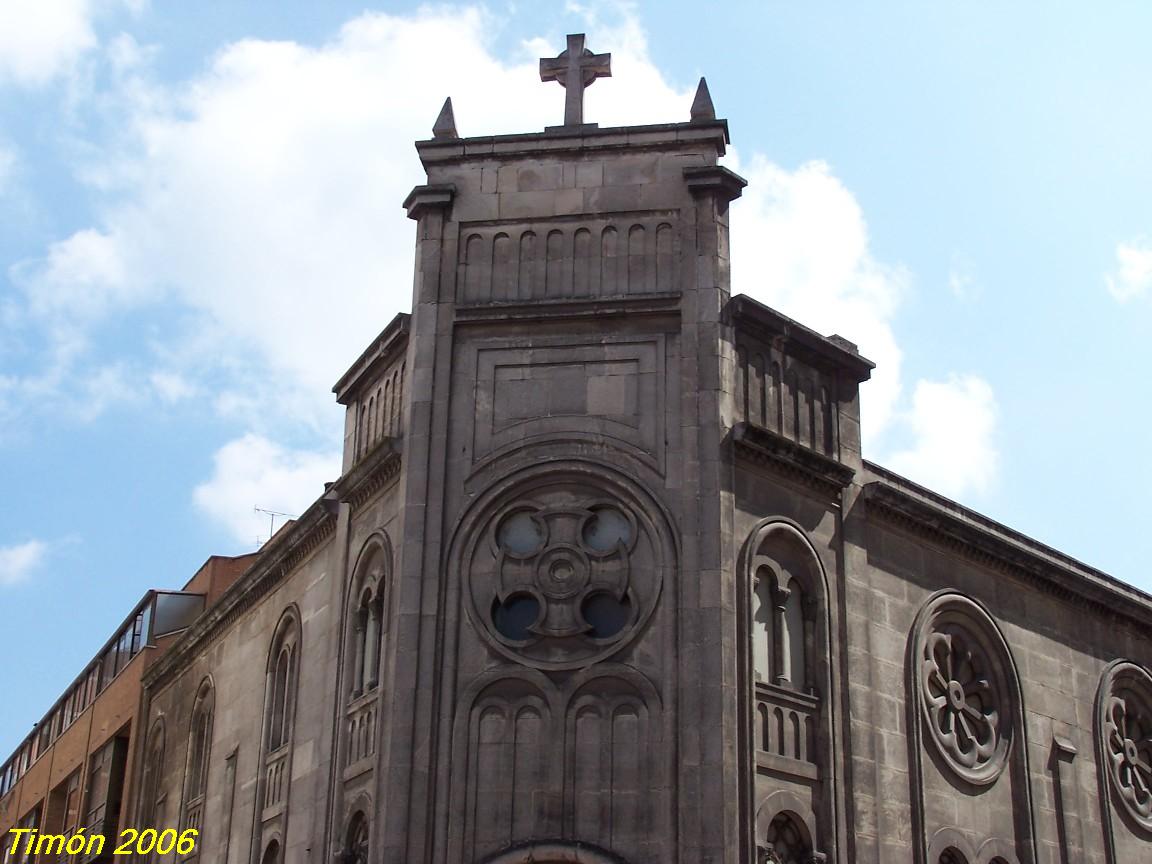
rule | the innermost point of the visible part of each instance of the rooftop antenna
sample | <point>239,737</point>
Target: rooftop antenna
<point>271,514</point>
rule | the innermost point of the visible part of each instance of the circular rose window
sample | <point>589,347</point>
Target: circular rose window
<point>964,702</point>
<point>563,577</point>
<point>1126,729</point>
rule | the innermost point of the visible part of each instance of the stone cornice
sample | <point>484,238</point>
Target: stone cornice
<point>429,197</point>
<point>764,447</point>
<point>290,547</point>
<point>898,501</point>
<point>714,180</point>
<point>375,470</point>
<point>383,349</point>
<point>804,343</point>
<point>588,137</point>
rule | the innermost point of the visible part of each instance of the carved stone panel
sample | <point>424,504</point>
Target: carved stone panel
<point>579,761</point>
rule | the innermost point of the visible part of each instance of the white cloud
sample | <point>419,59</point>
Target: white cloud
<point>800,244</point>
<point>245,200</point>
<point>17,563</point>
<point>171,386</point>
<point>1133,275</point>
<point>252,194</point>
<point>961,283</point>
<point>42,39</point>
<point>954,422</point>
<point>254,472</point>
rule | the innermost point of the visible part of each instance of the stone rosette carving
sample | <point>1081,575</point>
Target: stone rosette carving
<point>1125,729</point>
<point>564,573</point>
<point>964,699</point>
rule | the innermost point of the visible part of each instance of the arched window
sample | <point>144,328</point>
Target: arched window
<point>952,855</point>
<point>199,756</point>
<point>356,841</point>
<point>282,672</point>
<point>787,842</point>
<point>364,651</point>
<point>784,581</point>
<point>788,643</point>
<point>272,853</point>
<point>152,794</point>
<point>367,622</point>
<point>280,705</point>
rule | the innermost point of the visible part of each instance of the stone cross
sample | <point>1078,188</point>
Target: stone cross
<point>575,69</point>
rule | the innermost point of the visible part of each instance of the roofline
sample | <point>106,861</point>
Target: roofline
<point>588,136</point>
<point>894,493</point>
<point>378,351</point>
<point>836,350</point>
<point>87,667</point>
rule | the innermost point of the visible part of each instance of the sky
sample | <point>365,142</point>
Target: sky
<point>200,230</point>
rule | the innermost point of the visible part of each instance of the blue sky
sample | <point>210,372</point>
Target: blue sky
<point>200,228</point>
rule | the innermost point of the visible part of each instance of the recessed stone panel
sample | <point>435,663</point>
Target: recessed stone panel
<point>613,389</point>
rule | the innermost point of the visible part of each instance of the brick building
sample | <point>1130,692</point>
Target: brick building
<point>74,771</point>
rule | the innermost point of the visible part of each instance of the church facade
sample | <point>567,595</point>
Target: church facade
<point>606,577</point>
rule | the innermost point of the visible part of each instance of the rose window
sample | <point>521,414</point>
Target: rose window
<point>962,705</point>
<point>563,578</point>
<point>1127,731</point>
<point>563,571</point>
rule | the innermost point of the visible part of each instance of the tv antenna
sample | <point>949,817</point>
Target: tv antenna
<point>271,514</point>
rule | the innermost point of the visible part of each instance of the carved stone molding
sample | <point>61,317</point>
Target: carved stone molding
<point>765,447</point>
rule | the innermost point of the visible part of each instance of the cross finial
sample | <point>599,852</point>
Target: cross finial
<point>575,69</point>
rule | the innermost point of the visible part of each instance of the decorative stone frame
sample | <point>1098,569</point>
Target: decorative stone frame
<point>948,612</point>
<point>770,539</point>
<point>1124,747</point>
<point>958,657</point>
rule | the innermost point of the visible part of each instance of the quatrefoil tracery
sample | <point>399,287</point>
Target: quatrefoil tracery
<point>562,571</point>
